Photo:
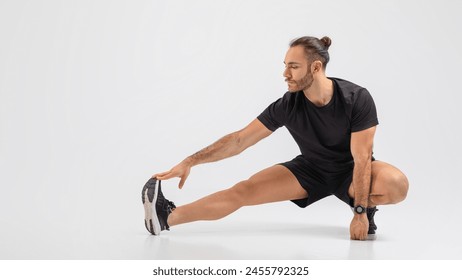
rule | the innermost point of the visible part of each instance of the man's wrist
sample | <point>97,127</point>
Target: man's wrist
<point>360,209</point>
<point>189,161</point>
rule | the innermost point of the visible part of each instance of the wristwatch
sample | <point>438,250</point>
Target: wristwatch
<point>360,209</point>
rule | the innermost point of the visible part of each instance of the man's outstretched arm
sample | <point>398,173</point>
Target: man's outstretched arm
<point>227,146</point>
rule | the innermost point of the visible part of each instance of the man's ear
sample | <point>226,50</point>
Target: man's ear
<point>316,66</point>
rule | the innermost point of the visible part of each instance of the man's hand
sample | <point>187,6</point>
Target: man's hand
<point>181,170</point>
<point>359,227</point>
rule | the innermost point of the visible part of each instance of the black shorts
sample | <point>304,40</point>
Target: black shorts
<point>321,181</point>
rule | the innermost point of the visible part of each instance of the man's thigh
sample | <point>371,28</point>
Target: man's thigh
<point>272,184</point>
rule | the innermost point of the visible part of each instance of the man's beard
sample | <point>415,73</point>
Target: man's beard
<point>303,84</point>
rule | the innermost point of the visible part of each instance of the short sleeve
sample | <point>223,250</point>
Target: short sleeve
<point>274,116</point>
<point>364,114</point>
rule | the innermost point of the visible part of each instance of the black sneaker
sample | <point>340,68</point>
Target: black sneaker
<point>156,207</point>
<point>370,217</point>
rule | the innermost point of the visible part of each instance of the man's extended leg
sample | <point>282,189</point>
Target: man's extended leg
<point>273,184</point>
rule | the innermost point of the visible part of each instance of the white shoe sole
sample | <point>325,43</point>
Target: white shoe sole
<point>150,214</point>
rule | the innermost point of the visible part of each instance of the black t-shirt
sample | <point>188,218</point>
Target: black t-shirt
<point>323,133</point>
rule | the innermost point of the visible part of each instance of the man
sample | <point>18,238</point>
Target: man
<point>333,122</point>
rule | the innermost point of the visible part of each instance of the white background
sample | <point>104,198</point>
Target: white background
<point>96,96</point>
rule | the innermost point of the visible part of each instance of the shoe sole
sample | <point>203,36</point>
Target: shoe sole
<point>149,195</point>
<point>371,236</point>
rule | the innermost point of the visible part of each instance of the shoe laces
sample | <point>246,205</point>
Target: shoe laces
<point>170,206</point>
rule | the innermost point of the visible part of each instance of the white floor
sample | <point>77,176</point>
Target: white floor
<point>275,231</point>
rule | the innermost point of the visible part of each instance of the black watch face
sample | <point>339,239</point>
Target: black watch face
<point>359,209</point>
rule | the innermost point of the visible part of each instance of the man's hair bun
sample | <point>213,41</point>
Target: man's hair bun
<point>326,41</point>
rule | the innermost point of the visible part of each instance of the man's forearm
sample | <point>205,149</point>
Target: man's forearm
<point>362,182</point>
<point>225,147</point>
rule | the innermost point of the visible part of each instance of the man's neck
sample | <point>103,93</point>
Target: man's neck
<point>320,92</point>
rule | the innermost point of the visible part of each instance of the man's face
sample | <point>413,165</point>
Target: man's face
<point>297,73</point>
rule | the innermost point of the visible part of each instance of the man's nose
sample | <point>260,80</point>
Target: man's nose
<point>286,73</point>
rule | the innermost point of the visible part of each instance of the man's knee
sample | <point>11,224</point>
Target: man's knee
<point>398,187</point>
<point>241,192</point>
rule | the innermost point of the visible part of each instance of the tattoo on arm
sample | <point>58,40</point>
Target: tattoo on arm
<point>225,147</point>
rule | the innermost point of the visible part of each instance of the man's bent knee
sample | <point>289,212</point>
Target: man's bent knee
<point>399,186</point>
<point>390,188</point>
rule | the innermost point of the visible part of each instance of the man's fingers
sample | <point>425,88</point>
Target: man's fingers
<point>171,174</point>
<point>177,171</point>
<point>360,237</point>
<point>181,184</point>
<point>163,175</point>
